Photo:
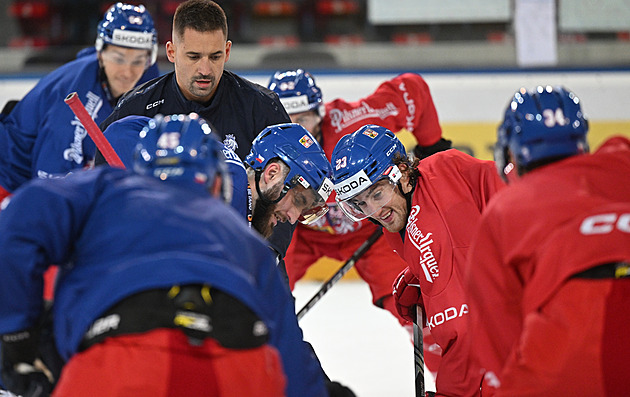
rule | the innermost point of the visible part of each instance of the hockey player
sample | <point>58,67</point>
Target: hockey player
<point>402,103</point>
<point>163,289</point>
<point>199,49</point>
<point>287,177</point>
<point>41,137</point>
<point>429,209</point>
<point>547,278</point>
<point>124,136</point>
<point>287,180</point>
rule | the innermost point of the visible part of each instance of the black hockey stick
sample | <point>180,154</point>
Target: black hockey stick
<point>418,352</point>
<point>341,272</point>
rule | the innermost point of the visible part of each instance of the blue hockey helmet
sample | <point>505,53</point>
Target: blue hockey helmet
<point>297,91</point>
<point>545,123</point>
<point>307,162</point>
<point>130,26</point>
<point>182,147</point>
<point>360,160</point>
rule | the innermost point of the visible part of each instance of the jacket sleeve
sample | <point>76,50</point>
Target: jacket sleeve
<point>304,373</point>
<point>18,138</point>
<point>481,176</point>
<point>38,227</point>
<point>419,117</point>
<point>272,113</point>
<point>494,295</point>
<point>123,135</point>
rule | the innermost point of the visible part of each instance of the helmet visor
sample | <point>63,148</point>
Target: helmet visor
<point>313,215</point>
<point>369,201</point>
<point>310,202</point>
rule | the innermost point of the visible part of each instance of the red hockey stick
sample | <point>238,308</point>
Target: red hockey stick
<point>92,129</point>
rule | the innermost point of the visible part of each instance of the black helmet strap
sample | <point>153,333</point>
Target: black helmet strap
<point>283,193</point>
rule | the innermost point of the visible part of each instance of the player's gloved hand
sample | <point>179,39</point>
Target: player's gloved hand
<point>336,389</point>
<point>23,372</point>
<point>425,151</point>
<point>406,291</point>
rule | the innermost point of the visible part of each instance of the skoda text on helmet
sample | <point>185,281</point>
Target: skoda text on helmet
<point>297,91</point>
<point>308,164</point>
<point>182,147</point>
<point>541,124</point>
<point>129,26</point>
<point>360,161</point>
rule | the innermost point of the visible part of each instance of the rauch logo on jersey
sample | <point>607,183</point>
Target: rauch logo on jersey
<point>423,243</point>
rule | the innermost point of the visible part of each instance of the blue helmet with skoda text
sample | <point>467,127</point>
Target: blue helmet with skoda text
<point>297,91</point>
<point>181,147</point>
<point>130,26</point>
<point>364,157</point>
<point>545,123</point>
<point>299,150</point>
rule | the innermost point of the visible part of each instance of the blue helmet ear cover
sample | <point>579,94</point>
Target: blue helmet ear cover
<point>541,124</point>
<point>128,26</point>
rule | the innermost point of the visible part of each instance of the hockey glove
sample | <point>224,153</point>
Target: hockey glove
<point>336,389</point>
<point>406,291</point>
<point>425,151</point>
<point>22,371</point>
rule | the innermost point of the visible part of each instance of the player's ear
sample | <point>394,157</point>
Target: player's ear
<point>228,50</point>
<point>170,51</point>
<point>271,173</point>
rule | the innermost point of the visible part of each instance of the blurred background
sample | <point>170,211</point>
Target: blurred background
<point>352,34</point>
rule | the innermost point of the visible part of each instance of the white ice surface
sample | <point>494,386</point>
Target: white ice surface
<point>358,344</point>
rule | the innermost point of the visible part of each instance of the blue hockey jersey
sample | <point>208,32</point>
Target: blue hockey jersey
<point>41,137</point>
<point>123,135</point>
<point>115,233</point>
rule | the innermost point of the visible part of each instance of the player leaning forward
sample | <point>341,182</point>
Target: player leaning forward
<point>41,137</point>
<point>429,209</point>
<point>553,255</point>
<point>163,289</point>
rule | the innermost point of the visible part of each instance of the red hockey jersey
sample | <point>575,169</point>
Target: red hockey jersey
<point>510,271</point>
<point>452,191</point>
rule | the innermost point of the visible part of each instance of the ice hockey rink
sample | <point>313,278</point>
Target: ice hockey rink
<point>358,344</point>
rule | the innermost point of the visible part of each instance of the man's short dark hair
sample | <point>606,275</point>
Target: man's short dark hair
<point>200,15</point>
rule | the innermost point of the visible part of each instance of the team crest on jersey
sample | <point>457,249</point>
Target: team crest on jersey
<point>306,141</point>
<point>371,133</point>
<point>230,142</point>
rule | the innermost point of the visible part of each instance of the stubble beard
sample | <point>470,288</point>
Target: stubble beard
<point>261,217</point>
<point>263,211</point>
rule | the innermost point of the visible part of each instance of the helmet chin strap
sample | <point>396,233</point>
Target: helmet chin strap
<point>408,196</point>
<point>283,193</point>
